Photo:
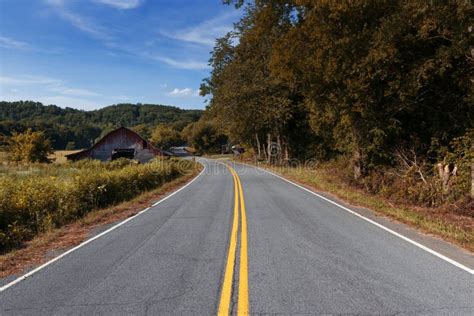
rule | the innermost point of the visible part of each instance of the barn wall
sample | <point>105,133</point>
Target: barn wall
<point>119,139</point>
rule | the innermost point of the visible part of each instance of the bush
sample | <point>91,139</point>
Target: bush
<point>44,197</point>
<point>29,147</point>
<point>413,180</point>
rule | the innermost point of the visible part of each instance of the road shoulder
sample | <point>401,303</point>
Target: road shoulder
<point>50,245</point>
<point>431,241</point>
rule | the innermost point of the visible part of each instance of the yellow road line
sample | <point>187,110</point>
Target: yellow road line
<point>226,292</point>
<point>243,304</point>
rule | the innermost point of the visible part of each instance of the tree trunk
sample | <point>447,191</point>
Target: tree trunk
<point>359,156</point>
<point>444,174</point>
<point>258,146</point>
<point>472,180</point>
<point>472,173</point>
<point>279,155</point>
<point>359,164</point>
<point>269,149</point>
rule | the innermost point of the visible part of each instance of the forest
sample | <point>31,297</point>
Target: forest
<point>382,87</point>
<point>74,129</point>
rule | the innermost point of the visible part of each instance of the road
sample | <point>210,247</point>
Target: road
<point>270,247</point>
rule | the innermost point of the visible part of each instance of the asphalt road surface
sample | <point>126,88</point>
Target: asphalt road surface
<point>242,242</point>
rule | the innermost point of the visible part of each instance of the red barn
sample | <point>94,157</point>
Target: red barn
<point>121,142</point>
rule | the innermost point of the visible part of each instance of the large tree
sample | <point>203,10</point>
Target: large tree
<point>256,108</point>
<point>377,75</point>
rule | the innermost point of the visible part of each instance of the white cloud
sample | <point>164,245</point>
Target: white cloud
<point>182,64</point>
<point>186,92</point>
<point>81,23</point>
<point>122,4</point>
<point>28,80</point>
<point>48,84</point>
<point>74,92</point>
<point>205,33</point>
<point>85,25</point>
<point>7,42</point>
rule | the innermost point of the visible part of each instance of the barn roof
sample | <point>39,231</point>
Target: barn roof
<point>85,152</point>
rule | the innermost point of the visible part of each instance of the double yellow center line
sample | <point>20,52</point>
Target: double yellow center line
<point>226,292</point>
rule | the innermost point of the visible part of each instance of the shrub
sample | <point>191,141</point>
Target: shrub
<point>44,197</point>
<point>29,147</point>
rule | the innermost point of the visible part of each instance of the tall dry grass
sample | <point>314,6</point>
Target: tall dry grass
<point>38,197</point>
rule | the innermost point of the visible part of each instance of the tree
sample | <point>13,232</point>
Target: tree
<point>83,127</point>
<point>252,106</point>
<point>165,136</point>
<point>29,147</point>
<point>204,136</point>
<point>379,75</point>
<point>143,130</point>
<point>71,146</point>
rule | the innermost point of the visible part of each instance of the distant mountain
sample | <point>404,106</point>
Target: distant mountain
<point>74,128</point>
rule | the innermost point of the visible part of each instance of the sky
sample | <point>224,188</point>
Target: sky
<point>87,54</point>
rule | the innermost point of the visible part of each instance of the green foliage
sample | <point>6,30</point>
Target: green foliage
<point>28,147</point>
<point>47,196</point>
<point>462,157</point>
<point>254,107</point>
<point>70,146</point>
<point>165,136</point>
<point>358,79</point>
<point>62,126</point>
<point>204,136</point>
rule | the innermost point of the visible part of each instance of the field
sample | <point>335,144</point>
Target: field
<point>40,197</point>
<point>59,156</point>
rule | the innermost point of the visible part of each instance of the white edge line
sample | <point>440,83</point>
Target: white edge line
<point>44,265</point>
<point>431,251</point>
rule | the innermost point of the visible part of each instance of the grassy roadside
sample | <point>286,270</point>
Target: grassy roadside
<point>441,222</point>
<point>42,247</point>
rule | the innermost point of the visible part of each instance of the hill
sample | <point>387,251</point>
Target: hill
<point>74,128</point>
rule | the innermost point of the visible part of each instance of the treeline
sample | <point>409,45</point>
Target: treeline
<point>380,83</point>
<point>71,128</point>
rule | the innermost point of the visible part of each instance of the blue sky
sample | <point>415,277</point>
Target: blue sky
<point>88,54</point>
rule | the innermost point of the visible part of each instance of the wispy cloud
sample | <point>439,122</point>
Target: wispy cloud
<point>181,64</point>
<point>85,25</point>
<point>122,4</point>
<point>206,32</point>
<point>7,42</point>
<point>74,92</point>
<point>185,92</point>
<point>49,84</point>
<point>28,80</point>
<point>80,22</point>
<point>47,90</point>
